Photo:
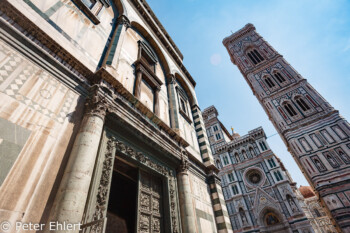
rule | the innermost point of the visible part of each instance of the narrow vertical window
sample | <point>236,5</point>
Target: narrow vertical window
<point>279,175</point>
<point>290,110</point>
<point>255,56</point>
<point>258,55</point>
<point>252,59</point>
<point>269,82</point>
<point>231,177</point>
<point>302,104</point>
<point>279,77</point>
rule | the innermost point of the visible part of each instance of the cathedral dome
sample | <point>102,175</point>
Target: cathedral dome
<point>306,191</point>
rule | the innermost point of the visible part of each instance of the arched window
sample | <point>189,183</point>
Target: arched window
<point>279,77</point>
<point>251,150</point>
<point>288,107</point>
<point>237,157</point>
<point>269,82</point>
<point>302,104</point>
<point>255,56</point>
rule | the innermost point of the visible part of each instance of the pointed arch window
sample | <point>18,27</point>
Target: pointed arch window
<point>302,104</point>
<point>269,82</point>
<point>289,108</point>
<point>279,77</point>
<point>255,56</point>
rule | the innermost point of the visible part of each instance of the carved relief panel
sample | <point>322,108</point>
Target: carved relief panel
<point>150,204</point>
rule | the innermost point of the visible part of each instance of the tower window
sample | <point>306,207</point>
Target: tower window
<point>302,104</point>
<point>218,136</point>
<point>255,56</point>
<point>290,110</point>
<point>279,77</point>
<point>215,128</point>
<point>269,82</point>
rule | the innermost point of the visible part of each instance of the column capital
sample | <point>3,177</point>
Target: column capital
<point>184,165</point>
<point>171,78</point>
<point>123,20</point>
<point>96,103</point>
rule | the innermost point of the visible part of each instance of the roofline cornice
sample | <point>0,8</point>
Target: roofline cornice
<point>247,28</point>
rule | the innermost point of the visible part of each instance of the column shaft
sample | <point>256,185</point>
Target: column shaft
<point>186,206</point>
<point>73,191</point>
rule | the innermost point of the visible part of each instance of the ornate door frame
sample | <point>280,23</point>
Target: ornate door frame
<point>94,219</point>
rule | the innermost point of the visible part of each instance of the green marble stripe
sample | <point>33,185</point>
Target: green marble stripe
<point>52,10</point>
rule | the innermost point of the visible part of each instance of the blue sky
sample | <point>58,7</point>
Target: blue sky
<point>313,36</point>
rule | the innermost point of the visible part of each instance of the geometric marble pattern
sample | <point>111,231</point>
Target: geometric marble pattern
<point>32,86</point>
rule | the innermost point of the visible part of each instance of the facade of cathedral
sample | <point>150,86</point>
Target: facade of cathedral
<point>314,132</point>
<point>309,202</point>
<point>100,125</point>
<point>259,192</point>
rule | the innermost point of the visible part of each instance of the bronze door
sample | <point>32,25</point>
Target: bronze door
<point>150,214</point>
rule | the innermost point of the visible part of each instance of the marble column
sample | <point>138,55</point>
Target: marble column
<point>186,206</point>
<point>71,198</point>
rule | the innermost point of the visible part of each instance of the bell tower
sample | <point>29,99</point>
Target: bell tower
<point>314,132</point>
